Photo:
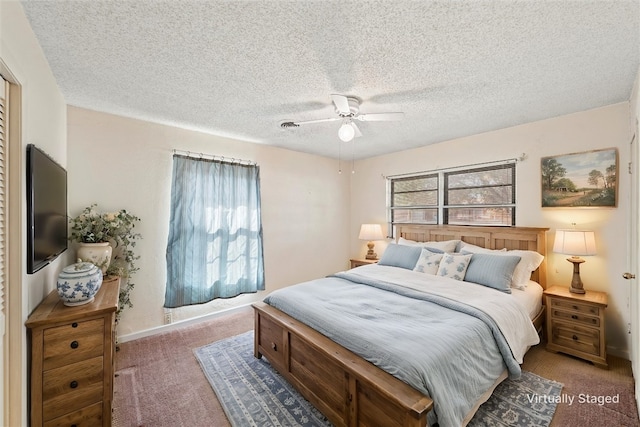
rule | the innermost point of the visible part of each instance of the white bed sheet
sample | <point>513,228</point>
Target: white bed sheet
<point>530,298</point>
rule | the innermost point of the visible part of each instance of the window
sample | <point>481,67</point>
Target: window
<point>469,196</point>
<point>215,231</point>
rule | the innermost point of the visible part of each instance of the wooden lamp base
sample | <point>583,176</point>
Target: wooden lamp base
<point>370,253</point>
<point>576,281</point>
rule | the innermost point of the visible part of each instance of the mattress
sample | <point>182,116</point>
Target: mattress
<point>530,298</point>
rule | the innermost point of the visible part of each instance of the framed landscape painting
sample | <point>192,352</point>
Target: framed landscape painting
<point>588,179</point>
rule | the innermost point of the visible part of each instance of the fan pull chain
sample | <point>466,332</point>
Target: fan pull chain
<point>339,158</point>
<point>353,155</point>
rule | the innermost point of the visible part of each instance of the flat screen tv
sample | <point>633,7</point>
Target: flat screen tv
<point>46,209</point>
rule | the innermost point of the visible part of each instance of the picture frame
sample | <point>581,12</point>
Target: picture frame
<point>580,180</point>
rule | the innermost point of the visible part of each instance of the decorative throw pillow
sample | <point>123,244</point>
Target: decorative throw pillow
<point>400,256</point>
<point>454,266</point>
<point>428,262</point>
<point>493,271</point>
<point>529,262</point>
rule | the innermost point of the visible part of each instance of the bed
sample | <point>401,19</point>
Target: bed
<point>356,387</point>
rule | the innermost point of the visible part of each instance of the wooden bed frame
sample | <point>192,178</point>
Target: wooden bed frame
<point>347,389</point>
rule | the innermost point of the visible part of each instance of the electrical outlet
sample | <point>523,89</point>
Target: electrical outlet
<point>167,317</point>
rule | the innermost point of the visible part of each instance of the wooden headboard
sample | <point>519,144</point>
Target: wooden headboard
<point>523,238</point>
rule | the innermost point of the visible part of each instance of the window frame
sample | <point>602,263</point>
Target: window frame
<point>443,187</point>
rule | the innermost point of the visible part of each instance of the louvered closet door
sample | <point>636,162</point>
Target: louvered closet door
<point>4,106</point>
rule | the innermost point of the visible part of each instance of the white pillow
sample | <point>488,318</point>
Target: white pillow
<point>428,262</point>
<point>529,261</point>
<point>454,266</point>
<point>445,246</point>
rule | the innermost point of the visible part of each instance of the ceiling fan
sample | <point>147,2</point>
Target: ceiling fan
<point>348,110</point>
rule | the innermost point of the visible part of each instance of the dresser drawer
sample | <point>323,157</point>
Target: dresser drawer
<point>90,416</point>
<point>72,343</point>
<point>575,337</point>
<point>575,317</point>
<point>72,387</point>
<point>576,307</point>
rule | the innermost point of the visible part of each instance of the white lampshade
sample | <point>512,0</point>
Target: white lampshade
<point>370,232</point>
<point>575,242</point>
<point>346,132</point>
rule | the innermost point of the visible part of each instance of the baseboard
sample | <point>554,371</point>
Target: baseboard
<point>180,324</point>
<point>618,352</point>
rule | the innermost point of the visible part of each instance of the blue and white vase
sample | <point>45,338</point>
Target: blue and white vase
<point>78,283</point>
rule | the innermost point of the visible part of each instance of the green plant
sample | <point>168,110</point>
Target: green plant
<point>117,228</point>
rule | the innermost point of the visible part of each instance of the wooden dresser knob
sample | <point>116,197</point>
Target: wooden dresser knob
<point>573,316</point>
<point>73,384</point>
<point>274,346</point>
<point>575,337</point>
<point>74,325</point>
<point>74,344</point>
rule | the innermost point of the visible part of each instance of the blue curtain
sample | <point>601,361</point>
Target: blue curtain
<point>215,232</point>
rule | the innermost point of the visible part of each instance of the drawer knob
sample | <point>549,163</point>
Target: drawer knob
<point>575,307</point>
<point>74,344</point>
<point>575,337</point>
<point>74,325</point>
<point>274,346</point>
<point>73,384</point>
<point>573,316</point>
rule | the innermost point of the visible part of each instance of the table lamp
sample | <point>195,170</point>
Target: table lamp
<point>371,232</point>
<point>575,243</point>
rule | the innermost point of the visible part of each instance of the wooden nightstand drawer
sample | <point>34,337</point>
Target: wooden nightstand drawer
<point>90,416</point>
<point>577,338</point>
<point>69,344</point>
<point>575,307</point>
<point>72,387</point>
<point>574,317</point>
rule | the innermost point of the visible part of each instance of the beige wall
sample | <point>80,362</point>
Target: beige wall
<point>41,120</point>
<point>590,130</point>
<point>125,163</point>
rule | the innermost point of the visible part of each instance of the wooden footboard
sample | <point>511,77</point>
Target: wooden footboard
<point>347,389</point>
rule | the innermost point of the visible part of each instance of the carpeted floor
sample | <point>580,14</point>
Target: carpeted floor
<point>163,375</point>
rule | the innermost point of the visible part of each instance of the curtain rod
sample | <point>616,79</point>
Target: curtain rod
<point>496,162</point>
<point>216,157</point>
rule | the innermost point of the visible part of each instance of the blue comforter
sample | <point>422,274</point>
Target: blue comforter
<point>447,350</point>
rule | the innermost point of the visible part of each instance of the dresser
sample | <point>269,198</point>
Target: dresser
<point>576,324</point>
<point>72,359</point>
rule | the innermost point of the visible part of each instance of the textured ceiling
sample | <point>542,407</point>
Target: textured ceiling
<point>240,68</point>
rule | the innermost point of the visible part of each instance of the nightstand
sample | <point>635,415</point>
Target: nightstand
<point>358,262</point>
<point>576,324</point>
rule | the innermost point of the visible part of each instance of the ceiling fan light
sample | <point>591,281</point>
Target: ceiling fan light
<point>346,132</point>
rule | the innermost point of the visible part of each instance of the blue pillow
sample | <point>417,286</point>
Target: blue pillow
<point>494,271</point>
<point>400,256</point>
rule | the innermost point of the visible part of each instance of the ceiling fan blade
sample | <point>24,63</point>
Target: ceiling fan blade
<point>358,133</point>
<point>380,117</point>
<point>342,104</point>
<point>306,122</point>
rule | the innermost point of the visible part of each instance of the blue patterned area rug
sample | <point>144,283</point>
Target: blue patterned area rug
<point>252,393</point>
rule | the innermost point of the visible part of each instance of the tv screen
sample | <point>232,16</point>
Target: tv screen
<point>46,209</point>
